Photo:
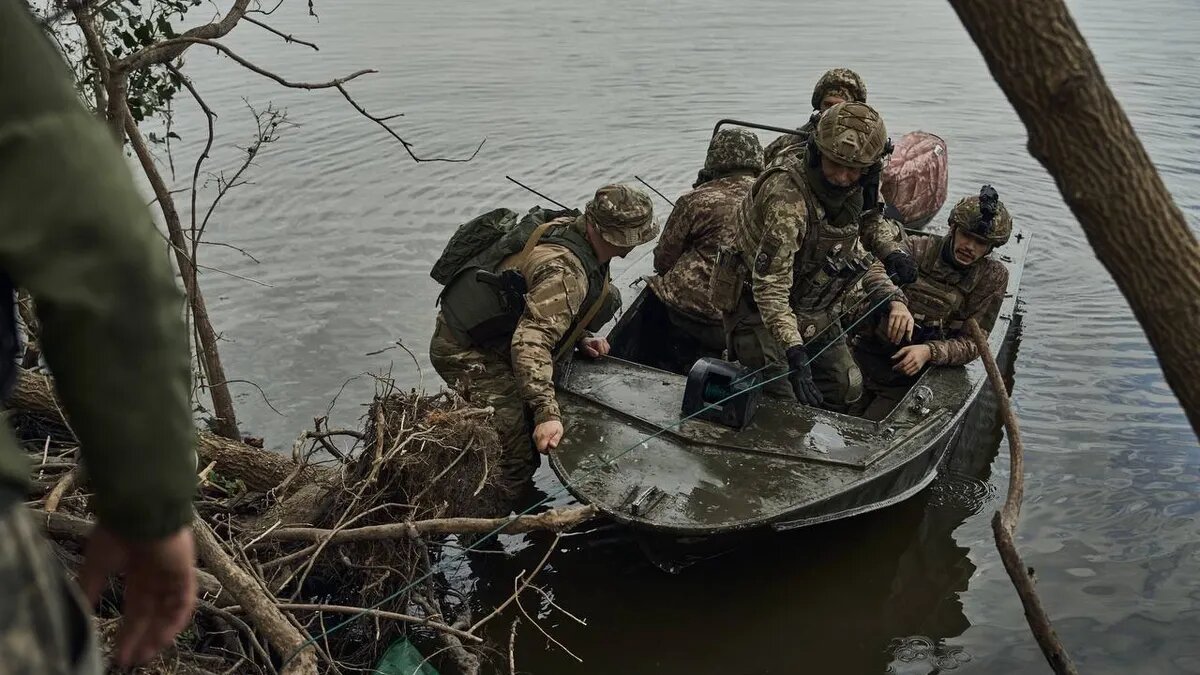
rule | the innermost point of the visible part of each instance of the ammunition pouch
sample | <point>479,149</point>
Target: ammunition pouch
<point>728,280</point>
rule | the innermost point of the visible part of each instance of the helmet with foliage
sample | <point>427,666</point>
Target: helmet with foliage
<point>734,150</point>
<point>851,134</point>
<point>983,216</point>
<point>842,83</point>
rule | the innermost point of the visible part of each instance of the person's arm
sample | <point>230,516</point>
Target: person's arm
<point>784,222</point>
<point>557,289</point>
<point>674,237</point>
<point>984,306</point>
<point>880,236</point>
<point>76,234</point>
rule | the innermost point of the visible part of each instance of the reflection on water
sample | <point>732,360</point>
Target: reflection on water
<point>571,95</point>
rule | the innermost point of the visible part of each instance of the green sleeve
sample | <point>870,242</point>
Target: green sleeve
<point>76,234</point>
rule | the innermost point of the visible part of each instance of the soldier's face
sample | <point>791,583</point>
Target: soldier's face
<point>969,248</point>
<point>839,174</point>
<point>830,101</point>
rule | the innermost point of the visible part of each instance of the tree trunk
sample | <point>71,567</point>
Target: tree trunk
<point>218,386</point>
<point>1079,132</point>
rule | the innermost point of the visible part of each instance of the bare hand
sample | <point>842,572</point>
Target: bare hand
<point>911,359</point>
<point>160,588</point>
<point>900,323</point>
<point>547,436</point>
<point>594,347</point>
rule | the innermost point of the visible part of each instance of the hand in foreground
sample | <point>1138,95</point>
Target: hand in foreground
<point>160,588</point>
<point>800,376</point>
<point>911,359</point>
<point>547,436</point>
<point>899,323</point>
<point>594,347</point>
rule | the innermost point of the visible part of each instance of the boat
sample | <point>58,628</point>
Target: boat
<point>629,452</point>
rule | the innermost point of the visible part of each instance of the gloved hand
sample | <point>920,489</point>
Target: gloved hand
<point>900,267</point>
<point>801,376</point>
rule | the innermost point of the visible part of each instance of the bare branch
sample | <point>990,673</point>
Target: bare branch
<point>517,591</point>
<point>168,50</point>
<point>382,121</point>
<point>286,37</point>
<point>210,118</point>
<point>185,40</point>
<point>252,384</point>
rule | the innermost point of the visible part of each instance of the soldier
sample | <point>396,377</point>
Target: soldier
<point>564,267</point>
<point>835,86</point>
<point>958,281</point>
<point>792,257</point>
<point>74,233</point>
<point>702,222</point>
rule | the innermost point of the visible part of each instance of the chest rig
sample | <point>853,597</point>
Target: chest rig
<point>826,263</point>
<point>937,298</point>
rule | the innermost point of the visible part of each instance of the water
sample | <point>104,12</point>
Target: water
<point>570,96</point>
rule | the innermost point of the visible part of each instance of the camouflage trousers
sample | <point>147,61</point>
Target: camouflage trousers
<point>44,626</point>
<point>834,371</point>
<point>485,378</point>
<point>883,387</point>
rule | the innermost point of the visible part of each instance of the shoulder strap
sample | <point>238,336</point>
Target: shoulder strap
<point>534,238</point>
<point>583,322</point>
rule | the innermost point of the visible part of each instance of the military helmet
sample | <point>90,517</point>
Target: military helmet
<point>734,150</point>
<point>622,215</point>
<point>851,134</point>
<point>983,216</point>
<point>841,82</point>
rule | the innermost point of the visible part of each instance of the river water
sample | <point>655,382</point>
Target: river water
<point>573,95</point>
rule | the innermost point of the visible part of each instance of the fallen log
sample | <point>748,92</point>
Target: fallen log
<point>260,470</point>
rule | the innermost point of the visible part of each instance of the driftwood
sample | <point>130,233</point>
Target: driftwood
<point>258,604</point>
<point>1004,523</point>
<point>258,470</point>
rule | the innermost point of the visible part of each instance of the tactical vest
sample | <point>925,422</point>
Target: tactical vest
<point>479,313</point>
<point>825,263</point>
<point>936,299</point>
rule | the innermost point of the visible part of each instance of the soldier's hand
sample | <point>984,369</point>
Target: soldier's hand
<point>899,323</point>
<point>547,436</point>
<point>594,347</point>
<point>800,376</point>
<point>911,359</point>
<point>900,267</point>
<point>160,588</point>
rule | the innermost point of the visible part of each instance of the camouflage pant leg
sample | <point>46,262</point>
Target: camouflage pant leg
<point>485,378</point>
<point>44,628</point>
<point>882,387</point>
<point>750,344</point>
<point>834,370</point>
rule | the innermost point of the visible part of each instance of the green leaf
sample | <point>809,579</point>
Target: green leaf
<point>402,658</point>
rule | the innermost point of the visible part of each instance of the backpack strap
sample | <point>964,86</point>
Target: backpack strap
<point>583,322</point>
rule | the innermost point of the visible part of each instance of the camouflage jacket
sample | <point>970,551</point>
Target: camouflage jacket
<point>788,146</point>
<point>558,288</point>
<point>772,227</point>
<point>975,292</point>
<point>701,222</point>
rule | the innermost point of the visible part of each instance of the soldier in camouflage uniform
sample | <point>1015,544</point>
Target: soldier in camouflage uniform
<point>792,257</point>
<point>835,86</point>
<point>958,281</point>
<point>515,376</point>
<point>702,222</point>
<point>75,234</point>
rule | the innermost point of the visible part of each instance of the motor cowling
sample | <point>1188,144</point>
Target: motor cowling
<point>721,392</point>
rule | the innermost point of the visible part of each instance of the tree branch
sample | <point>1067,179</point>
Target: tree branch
<point>1004,523</point>
<point>556,520</point>
<point>168,50</point>
<point>286,37</point>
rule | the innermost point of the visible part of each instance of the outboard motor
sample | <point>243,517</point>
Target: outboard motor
<point>721,392</point>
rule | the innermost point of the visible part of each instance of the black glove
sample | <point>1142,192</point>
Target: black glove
<point>900,267</point>
<point>801,377</point>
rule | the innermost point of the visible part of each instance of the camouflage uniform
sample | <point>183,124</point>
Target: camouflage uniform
<point>840,82</point>
<point>788,228</point>
<point>700,224</point>
<point>76,234</point>
<point>516,378</point>
<point>941,300</point>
